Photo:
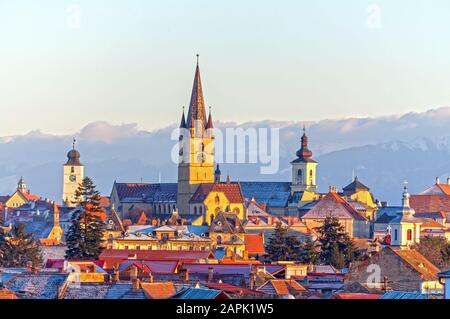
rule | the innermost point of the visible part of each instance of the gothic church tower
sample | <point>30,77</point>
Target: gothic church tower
<point>196,162</point>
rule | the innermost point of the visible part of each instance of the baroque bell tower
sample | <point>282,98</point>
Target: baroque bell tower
<point>196,147</point>
<point>73,175</point>
<point>303,169</point>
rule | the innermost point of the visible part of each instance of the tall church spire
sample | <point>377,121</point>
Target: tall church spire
<point>183,120</point>
<point>196,113</point>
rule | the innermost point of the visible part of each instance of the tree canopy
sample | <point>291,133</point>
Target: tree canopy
<point>85,236</point>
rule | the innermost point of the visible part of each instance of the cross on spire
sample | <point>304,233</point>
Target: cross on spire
<point>73,143</point>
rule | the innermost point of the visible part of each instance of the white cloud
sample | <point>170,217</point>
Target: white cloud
<point>105,132</point>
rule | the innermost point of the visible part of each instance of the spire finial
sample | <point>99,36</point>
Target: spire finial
<point>197,57</point>
<point>304,128</point>
<point>73,143</point>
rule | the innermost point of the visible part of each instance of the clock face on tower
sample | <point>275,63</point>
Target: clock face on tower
<point>72,178</point>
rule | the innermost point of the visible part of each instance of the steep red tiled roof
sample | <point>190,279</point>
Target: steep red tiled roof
<point>418,262</point>
<point>142,219</point>
<point>29,197</point>
<point>334,205</point>
<point>284,286</point>
<point>159,290</point>
<point>231,190</point>
<point>254,243</point>
<point>430,203</point>
<point>445,188</point>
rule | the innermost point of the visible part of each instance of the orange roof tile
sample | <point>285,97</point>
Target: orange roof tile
<point>430,203</point>
<point>7,294</point>
<point>419,263</point>
<point>445,188</point>
<point>254,243</point>
<point>284,286</point>
<point>159,290</point>
<point>29,197</point>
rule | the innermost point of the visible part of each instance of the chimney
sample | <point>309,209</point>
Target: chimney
<point>252,282</point>
<point>269,220</point>
<point>150,277</point>
<point>136,283</point>
<point>133,273</point>
<point>210,274</point>
<point>448,180</point>
<point>116,274</point>
<point>184,275</point>
<point>437,181</point>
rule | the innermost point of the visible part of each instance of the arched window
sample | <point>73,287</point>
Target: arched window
<point>236,211</point>
<point>409,234</point>
<point>211,218</point>
<point>217,200</point>
<point>72,169</point>
<point>396,234</point>
<point>299,176</point>
<point>200,210</point>
<point>195,210</point>
<point>219,240</point>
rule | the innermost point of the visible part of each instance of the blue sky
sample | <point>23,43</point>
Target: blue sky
<point>133,61</point>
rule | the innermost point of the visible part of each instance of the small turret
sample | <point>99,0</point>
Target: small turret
<point>217,174</point>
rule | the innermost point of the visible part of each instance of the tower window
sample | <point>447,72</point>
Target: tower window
<point>396,234</point>
<point>409,234</point>
<point>195,210</point>
<point>72,169</point>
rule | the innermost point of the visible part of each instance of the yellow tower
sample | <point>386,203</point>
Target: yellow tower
<point>196,163</point>
<point>73,175</point>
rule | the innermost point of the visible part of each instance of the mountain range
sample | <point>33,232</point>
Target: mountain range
<point>382,151</point>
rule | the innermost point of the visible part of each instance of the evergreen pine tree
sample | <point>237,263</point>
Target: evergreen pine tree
<point>85,236</point>
<point>282,246</point>
<point>309,254</point>
<point>18,248</point>
<point>333,238</point>
<point>337,258</point>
